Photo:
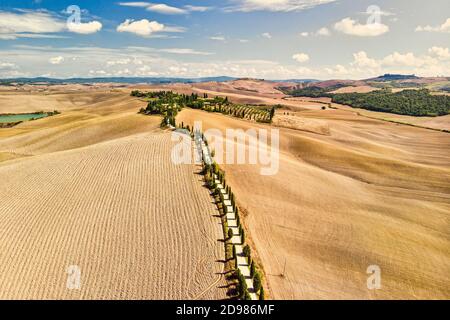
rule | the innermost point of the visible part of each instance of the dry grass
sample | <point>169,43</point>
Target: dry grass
<point>95,187</point>
<point>371,192</point>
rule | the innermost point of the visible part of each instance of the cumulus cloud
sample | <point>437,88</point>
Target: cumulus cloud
<point>304,34</point>
<point>440,53</point>
<point>445,27</point>
<point>142,27</point>
<point>56,60</point>
<point>361,60</point>
<point>323,32</point>
<point>351,27</point>
<point>267,35</point>
<point>275,5</point>
<point>147,61</point>
<point>301,57</point>
<point>431,64</point>
<point>7,65</point>
<point>85,28</point>
<point>398,59</point>
<point>337,70</point>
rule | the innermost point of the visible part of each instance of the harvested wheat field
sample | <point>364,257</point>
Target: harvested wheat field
<point>95,187</point>
<point>366,192</point>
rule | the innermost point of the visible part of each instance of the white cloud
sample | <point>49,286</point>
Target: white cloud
<point>14,36</point>
<point>118,62</point>
<point>148,61</point>
<point>337,70</point>
<point>56,60</point>
<point>185,51</point>
<point>267,35</point>
<point>29,22</point>
<point>243,40</point>
<point>165,9</point>
<point>433,64</point>
<point>134,4</point>
<point>361,60</point>
<point>197,8</point>
<point>142,27</point>
<point>301,57</point>
<point>85,28</point>
<point>275,5</point>
<point>323,32</point>
<point>441,53</point>
<point>217,38</point>
<point>445,27</point>
<point>351,27</point>
<point>304,34</point>
<point>98,72</point>
<point>39,25</point>
<point>399,59</point>
<point>7,65</point>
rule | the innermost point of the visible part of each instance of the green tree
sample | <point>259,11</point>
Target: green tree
<point>261,294</point>
<point>257,282</point>
<point>252,269</point>
<point>230,234</point>
<point>242,285</point>
<point>247,251</point>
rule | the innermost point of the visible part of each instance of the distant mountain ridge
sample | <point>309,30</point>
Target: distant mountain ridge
<point>129,80</point>
<point>394,77</point>
<point>388,78</point>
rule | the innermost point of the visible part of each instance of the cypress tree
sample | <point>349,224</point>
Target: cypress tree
<point>257,283</point>
<point>252,269</point>
<point>261,294</point>
<point>247,251</point>
<point>230,234</point>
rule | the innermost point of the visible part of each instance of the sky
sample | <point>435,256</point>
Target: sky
<point>266,39</point>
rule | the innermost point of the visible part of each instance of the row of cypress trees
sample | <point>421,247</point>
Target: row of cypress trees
<point>210,171</point>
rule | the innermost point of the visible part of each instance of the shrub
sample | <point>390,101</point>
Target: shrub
<point>261,294</point>
<point>242,286</point>
<point>247,251</point>
<point>252,269</point>
<point>257,282</point>
<point>230,234</point>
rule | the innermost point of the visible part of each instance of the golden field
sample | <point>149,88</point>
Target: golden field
<point>94,187</point>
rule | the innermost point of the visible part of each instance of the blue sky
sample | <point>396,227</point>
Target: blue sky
<point>272,39</point>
